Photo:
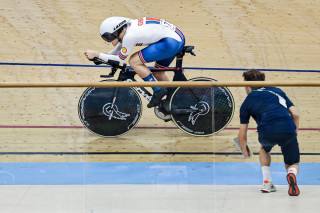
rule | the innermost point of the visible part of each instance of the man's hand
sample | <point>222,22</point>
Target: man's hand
<point>242,137</point>
<point>90,54</point>
<point>245,151</point>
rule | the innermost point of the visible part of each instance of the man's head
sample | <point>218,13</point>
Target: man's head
<point>253,75</point>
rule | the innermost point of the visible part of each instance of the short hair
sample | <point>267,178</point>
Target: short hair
<point>253,75</point>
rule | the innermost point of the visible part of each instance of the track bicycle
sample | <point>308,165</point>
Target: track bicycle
<point>199,111</point>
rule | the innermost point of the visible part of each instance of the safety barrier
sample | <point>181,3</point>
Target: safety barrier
<point>162,84</point>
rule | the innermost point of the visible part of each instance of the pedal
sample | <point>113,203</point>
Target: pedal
<point>161,112</point>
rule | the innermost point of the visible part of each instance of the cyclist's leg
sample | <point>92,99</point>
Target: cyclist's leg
<point>137,63</point>
<point>161,76</point>
<point>164,49</point>
<point>142,70</point>
<point>163,52</point>
<point>169,49</point>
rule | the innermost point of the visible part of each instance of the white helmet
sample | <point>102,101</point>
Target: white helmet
<point>111,27</point>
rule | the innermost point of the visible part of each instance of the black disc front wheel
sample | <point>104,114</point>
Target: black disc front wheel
<point>109,112</point>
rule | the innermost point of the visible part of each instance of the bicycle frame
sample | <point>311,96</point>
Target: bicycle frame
<point>127,74</point>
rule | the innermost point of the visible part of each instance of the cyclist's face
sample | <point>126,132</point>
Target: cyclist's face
<point>115,42</point>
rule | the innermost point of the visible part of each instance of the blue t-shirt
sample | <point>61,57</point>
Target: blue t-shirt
<point>268,110</point>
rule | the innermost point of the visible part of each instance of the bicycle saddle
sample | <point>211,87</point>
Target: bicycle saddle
<point>188,49</point>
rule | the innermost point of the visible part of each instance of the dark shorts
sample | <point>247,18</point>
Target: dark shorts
<point>288,143</point>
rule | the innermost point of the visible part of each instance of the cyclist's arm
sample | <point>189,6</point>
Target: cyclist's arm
<point>90,54</point>
<point>107,57</point>
<point>126,47</point>
<point>116,50</point>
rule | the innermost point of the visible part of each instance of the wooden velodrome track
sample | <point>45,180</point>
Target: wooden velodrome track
<point>42,124</point>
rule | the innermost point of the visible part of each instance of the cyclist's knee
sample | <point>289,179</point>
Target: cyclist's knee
<point>134,60</point>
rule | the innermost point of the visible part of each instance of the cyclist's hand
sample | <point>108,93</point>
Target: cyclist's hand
<point>90,54</point>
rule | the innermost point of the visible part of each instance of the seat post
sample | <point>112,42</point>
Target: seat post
<point>179,59</point>
<point>179,73</point>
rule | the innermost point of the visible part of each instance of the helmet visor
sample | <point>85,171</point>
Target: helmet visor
<point>108,37</point>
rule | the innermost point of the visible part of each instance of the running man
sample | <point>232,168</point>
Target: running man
<point>278,121</point>
<point>163,41</point>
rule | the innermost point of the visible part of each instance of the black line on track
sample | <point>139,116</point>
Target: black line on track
<point>136,153</point>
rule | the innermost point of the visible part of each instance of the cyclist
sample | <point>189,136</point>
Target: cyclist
<point>164,41</point>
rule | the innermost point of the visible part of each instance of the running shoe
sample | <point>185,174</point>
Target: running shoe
<point>293,187</point>
<point>268,187</point>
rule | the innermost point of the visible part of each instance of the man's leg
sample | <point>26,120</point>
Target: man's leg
<point>292,171</point>
<point>291,155</point>
<point>294,168</point>
<point>264,157</point>
<point>265,162</point>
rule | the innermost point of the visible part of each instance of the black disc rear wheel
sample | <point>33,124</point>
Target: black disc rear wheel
<point>202,111</point>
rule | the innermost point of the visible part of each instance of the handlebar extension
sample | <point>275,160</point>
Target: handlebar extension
<point>116,64</point>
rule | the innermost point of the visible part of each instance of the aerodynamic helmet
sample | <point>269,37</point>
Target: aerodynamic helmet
<point>111,28</point>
